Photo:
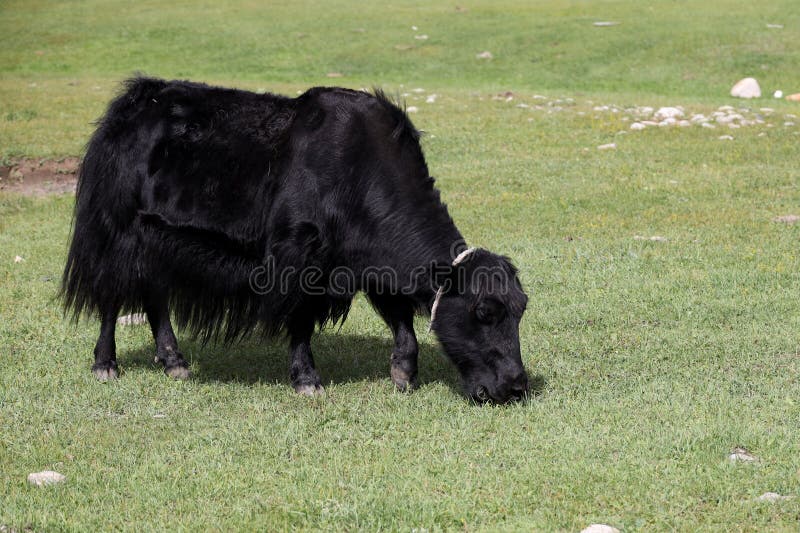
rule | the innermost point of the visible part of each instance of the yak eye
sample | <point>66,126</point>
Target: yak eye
<point>489,311</point>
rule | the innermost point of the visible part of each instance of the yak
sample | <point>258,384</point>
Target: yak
<point>239,212</point>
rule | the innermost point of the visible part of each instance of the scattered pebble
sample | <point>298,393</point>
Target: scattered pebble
<point>787,219</point>
<point>421,37</point>
<point>605,23</point>
<point>600,528</point>
<point>637,126</point>
<point>46,477</point>
<point>132,320</point>
<point>431,99</point>
<point>777,94</point>
<point>741,454</point>
<point>609,146</point>
<point>726,137</point>
<point>334,74</point>
<point>708,125</point>
<point>484,55</point>
<point>412,109</point>
<point>772,497</point>
<point>654,238</point>
<point>159,415</point>
<point>418,90</point>
<point>18,259</point>
<point>668,112</point>
<point>746,88</point>
<point>775,26</point>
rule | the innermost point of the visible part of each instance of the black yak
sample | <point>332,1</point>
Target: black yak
<point>241,212</point>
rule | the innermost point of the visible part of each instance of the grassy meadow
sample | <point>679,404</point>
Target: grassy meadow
<point>663,328</point>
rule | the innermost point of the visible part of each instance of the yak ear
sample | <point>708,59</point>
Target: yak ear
<point>489,310</point>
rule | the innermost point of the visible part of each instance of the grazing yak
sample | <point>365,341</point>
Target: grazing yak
<point>240,212</point>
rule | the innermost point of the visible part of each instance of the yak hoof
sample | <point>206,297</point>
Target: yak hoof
<point>309,390</point>
<point>105,373</point>
<point>402,380</point>
<point>178,372</point>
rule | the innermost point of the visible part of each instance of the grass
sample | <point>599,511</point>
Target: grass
<point>652,359</point>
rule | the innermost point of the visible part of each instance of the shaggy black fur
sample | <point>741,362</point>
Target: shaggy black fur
<point>187,190</point>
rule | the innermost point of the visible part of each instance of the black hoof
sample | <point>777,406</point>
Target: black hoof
<point>309,390</point>
<point>403,380</point>
<point>105,371</point>
<point>180,372</point>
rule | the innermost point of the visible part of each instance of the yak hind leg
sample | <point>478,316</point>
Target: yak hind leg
<point>167,353</point>
<point>105,351</point>
<point>398,313</point>
<point>302,371</point>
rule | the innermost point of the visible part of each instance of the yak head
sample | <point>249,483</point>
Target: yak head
<point>476,317</point>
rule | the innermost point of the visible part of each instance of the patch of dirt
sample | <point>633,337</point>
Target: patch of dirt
<point>39,177</point>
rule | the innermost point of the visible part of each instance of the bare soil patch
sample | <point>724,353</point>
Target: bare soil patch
<point>39,177</point>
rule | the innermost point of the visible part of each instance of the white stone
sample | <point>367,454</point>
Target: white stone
<point>421,37</point>
<point>775,26</point>
<point>777,94</point>
<point>18,259</point>
<point>669,121</point>
<point>708,125</point>
<point>418,90</point>
<point>484,55</point>
<point>412,109</point>
<point>725,138</point>
<point>746,88</point>
<point>431,99</point>
<point>668,112</point>
<point>605,23</point>
<point>600,528</point>
<point>609,146</point>
<point>684,123</point>
<point>741,454</point>
<point>46,477</point>
<point>637,126</point>
<point>772,497</point>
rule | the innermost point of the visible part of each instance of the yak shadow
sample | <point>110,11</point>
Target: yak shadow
<point>339,358</point>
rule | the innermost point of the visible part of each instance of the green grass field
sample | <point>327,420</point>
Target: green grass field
<point>652,359</point>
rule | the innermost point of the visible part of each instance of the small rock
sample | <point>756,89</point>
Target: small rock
<point>741,454</point>
<point>418,90</point>
<point>421,37</point>
<point>600,528</point>
<point>609,146</point>
<point>334,74</point>
<point>484,55</point>
<point>725,137</point>
<point>708,125</point>
<point>412,109</point>
<point>18,259</point>
<point>46,477</point>
<point>668,112</point>
<point>775,26</point>
<point>132,320</point>
<point>605,23</point>
<point>772,497</point>
<point>636,126</point>
<point>777,94</point>
<point>684,123</point>
<point>654,238</point>
<point>788,124</point>
<point>746,88</point>
<point>786,219</point>
<point>431,99</point>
